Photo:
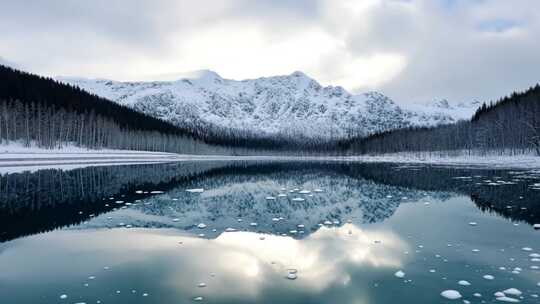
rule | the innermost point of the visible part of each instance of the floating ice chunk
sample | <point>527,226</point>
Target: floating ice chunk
<point>198,299</point>
<point>488,277</point>
<point>399,274</point>
<point>478,295</point>
<point>476,250</point>
<point>230,229</point>
<point>91,277</point>
<point>253,224</point>
<point>321,190</point>
<point>499,294</point>
<point>473,223</point>
<point>327,223</point>
<point>536,226</point>
<point>201,285</point>
<point>300,226</point>
<point>176,219</point>
<point>298,199</point>
<point>270,198</point>
<point>195,190</point>
<point>534,255</point>
<point>464,283</point>
<point>64,296</point>
<point>513,292</point>
<point>275,219</point>
<point>507,299</point>
<point>157,192</point>
<point>291,274</point>
<point>526,249</point>
<point>201,226</point>
<point>534,267</point>
<point>451,294</point>
<point>139,192</point>
<point>304,192</point>
<point>282,195</point>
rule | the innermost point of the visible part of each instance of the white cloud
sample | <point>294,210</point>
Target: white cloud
<point>412,50</point>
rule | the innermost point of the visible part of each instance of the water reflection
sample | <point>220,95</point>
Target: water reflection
<point>236,265</point>
<point>342,243</point>
<point>365,193</point>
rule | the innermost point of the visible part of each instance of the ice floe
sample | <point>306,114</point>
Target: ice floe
<point>451,294</point>
<point>399,274</point>
<point>507,299</point>
<point>513,292</point>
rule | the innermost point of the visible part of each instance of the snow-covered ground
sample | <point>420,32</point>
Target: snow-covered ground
<point>488,161</point>
<point>16,158</point>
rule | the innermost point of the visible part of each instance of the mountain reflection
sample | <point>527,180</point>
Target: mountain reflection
<point>236,195</point>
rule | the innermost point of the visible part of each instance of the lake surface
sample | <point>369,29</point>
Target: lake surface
<point>258,232</point>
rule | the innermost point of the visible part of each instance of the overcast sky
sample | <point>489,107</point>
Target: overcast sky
<point>411,50</point>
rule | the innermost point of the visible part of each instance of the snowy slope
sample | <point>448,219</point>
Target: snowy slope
<point>293,104</point>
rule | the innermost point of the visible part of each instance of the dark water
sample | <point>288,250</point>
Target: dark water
<point>342,234</point>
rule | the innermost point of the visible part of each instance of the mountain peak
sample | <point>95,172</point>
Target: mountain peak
<point>299,74</point>
<point>200,75</point>
<point>284,105</point>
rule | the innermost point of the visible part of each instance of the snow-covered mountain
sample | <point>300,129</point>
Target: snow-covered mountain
<point>295,105</point>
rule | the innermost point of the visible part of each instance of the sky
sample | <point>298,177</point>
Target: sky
<point>414,51</point>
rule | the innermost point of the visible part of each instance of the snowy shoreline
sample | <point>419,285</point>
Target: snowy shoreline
<point>16,158</point>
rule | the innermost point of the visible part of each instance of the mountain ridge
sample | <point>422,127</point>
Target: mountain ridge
<point>293,105</point>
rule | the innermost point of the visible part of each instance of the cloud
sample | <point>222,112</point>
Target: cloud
<point>412,50</point>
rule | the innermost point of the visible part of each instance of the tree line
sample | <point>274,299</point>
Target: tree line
<point>510,125</point>
<point>40,111</point>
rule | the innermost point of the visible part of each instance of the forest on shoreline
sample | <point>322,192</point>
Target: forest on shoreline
<point>40,111</point>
